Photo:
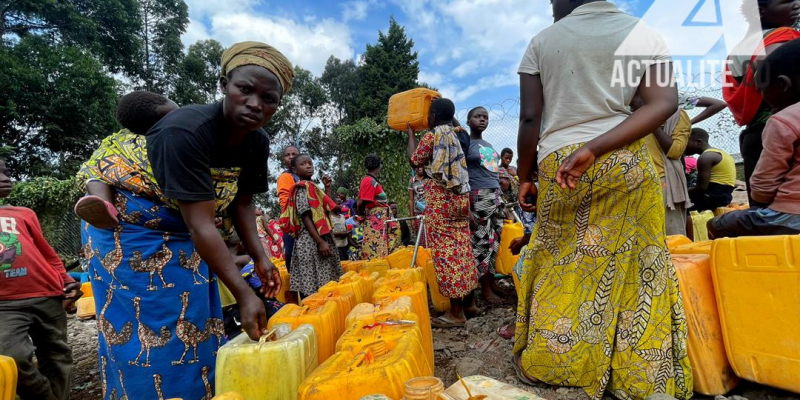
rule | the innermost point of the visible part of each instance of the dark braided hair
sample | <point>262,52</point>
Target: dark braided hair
<point>372,162</point>
<point>136,111</point>
<point>444,109</point>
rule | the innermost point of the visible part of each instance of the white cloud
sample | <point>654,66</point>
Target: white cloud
<point>434,79</point>
<point>466,68</point>
<point>196,31</point>
<point>306,44</point>
<point>355,10</point>
<point>202,8</point>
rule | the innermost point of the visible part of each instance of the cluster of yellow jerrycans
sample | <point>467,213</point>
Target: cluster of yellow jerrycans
<point>741,299</point>
<point>367,333</point>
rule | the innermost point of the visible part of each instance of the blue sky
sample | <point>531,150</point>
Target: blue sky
<point>469,49</point>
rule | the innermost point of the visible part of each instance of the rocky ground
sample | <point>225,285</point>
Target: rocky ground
<point>473,350</point>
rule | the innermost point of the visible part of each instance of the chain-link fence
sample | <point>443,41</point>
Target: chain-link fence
<point>63,232</point>
<point>504,122</point>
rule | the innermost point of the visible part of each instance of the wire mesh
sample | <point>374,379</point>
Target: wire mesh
<point>722,128</point>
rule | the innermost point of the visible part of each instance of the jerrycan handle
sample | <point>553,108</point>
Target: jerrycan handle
<point>267,336</point>
<point>359,359</point>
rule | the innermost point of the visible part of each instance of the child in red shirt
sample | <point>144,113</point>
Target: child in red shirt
<point>33,283</point>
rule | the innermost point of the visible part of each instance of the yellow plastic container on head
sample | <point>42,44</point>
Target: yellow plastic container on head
<point>482,386</point>
<point>354,266</point>
<point>285,282</point>
<point>376,369</point>
<point>325,320</point>
<point>361,286</point>
<point>243,364</point>
<point>713,375</point>
<point>699,221</point>
<point>756,281</point>
<point>379,265</point>
<point>411,107</point>
<point>703,247</point>
<point>86,307</point>
<point>439,301</point>
<point>8,378</point>
<point>674,241</point>
<point>400,259</point>
<point>386,310</point>
<point>344,302</point>
<point>505,260</point>
<point>414,274</point>
<point>419,301</point>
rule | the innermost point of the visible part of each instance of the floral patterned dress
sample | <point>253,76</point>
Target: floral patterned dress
<point>447,224</point>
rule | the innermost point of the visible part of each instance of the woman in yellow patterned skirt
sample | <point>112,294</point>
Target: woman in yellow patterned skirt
<point>599,304</point>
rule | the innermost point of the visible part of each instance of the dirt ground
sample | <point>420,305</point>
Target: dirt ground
<point>473,350</point>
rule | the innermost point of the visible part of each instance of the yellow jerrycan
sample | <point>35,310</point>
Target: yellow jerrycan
<point>354,266</point>
<point>756,281</point>
<point>505,260</point>
<point>400,258</point>
<point>379,265</point>
<point>474,386</point>
<point>8,378</point>
<point>414,274</point>
<point>344,302</point>
<point>703,247</point>
<point>439,301</point>
<point>385,310</point>
<point>419,301</point>
<point>353,282</point>
<point>376,369</point>
<point>242,363</point>
<point>713,375</point>
<point>361,335</point>
<point>325,320</point>
<point>674,241</point>
<point>285,282</point>
<point>411,107</point>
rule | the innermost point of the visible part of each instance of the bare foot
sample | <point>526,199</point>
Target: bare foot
<point>491,298</point>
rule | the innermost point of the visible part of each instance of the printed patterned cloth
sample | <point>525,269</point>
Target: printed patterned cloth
<point>488,215</point>
<point>159,316</point>
<point>448,163</point>
<point>599,304</point>
<point>310,270</point>
<point>319,204</point>
<point>121,161</point>
<point>274,240</point>
<point>447,222</point>
<point>375,240</point>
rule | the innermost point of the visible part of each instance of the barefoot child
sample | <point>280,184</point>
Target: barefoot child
<point>33,283</point>
<point>307,219</point>
<point>136,112</point>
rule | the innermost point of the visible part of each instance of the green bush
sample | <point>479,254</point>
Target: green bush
<point>365,137</point>
<point>52,201</point>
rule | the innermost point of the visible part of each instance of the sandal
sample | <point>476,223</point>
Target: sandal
<point>97,212</point>
<point>521,374</point>
<point>505,331</point>
<point>442,322</point>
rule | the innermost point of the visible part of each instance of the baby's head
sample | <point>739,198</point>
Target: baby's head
<point>778,76</point>
<point>138,111</point>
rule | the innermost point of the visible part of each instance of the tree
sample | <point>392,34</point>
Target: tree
<point>106,28</point>
<point>198,77</point>
<point>389,67</point>
<point>57,103</point>
<point>340,78</point>
<point>163,23</point>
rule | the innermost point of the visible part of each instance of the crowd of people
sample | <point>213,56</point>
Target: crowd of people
<point>603,175</point>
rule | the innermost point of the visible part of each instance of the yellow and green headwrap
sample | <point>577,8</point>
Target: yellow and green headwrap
<point>261,54</point>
